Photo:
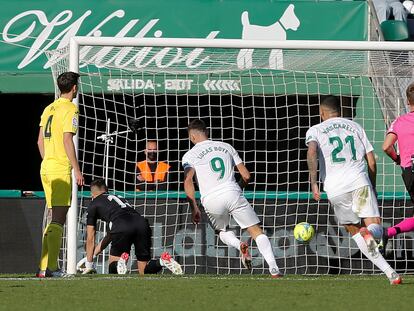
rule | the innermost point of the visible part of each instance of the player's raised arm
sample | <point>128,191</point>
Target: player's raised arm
<point>189,189</point>
<point>312,159</point>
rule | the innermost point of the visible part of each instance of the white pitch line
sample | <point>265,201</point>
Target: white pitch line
<point>148,278</point>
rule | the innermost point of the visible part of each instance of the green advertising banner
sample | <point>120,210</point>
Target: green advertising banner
<point>29,28</point>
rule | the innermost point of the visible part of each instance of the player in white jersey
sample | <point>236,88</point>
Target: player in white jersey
<point>212,163</point>
<point>342,148</point>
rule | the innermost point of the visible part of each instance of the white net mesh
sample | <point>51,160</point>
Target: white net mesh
<point>261,102</point>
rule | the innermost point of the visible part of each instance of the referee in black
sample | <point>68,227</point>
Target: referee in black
<point>401,131</point>
<point>126,228</point>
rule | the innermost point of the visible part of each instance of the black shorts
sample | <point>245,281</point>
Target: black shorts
<point>408,177</point>
<point>130,231</point>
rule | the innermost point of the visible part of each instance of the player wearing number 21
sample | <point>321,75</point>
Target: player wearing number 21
<point>342,147</point>
<point>212,163</point>
<point>58,125</point>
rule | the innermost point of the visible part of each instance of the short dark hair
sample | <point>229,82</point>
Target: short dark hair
<point>99,183</point>
<point>410,93</point>
<point>332,103</point>
<point>67,80</point>
<point>197,125</point>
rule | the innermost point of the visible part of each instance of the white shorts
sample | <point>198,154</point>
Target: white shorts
<point>352,206</point>
<point>220,206</point>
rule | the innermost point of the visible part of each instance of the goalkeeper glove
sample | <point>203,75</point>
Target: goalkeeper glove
<point>89,268</point>
<point>84,265</point>
<point>80,266</point>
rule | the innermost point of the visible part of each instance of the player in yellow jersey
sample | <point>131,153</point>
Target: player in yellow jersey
<point>58,125</point>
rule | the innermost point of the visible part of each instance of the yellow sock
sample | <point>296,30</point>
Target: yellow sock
<point>54,241</point>
<point>44,256</point>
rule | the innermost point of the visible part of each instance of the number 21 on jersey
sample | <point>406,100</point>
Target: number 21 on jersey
<point>337,142</point>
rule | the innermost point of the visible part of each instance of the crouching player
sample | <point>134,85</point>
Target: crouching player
<point>126,228</point>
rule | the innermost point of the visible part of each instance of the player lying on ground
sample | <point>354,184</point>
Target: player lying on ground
<point>212,163</point>
<point>58,125</point>
<point>341,146</point>
<point>126,228</point>
<point>402,131</point>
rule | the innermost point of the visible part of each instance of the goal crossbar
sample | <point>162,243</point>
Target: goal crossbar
<point>75,42</point>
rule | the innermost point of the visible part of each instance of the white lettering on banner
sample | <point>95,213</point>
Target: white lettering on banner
<point>129,84</point>
<point>46,40</point>
<point>178,84</point>
<point>139,84</point>
<point>39,46</point>
<point>41,30</point>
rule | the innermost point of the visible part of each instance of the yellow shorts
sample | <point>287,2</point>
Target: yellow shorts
<point>58,189</point>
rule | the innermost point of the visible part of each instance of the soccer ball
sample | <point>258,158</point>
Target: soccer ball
<point>303,232</point>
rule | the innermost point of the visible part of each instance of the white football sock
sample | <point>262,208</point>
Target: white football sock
<point>378,261</point>
<point>376,231</point>
<point>229,238</point>
<point>265,248</point>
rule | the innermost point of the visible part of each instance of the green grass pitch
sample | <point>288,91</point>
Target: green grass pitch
<point>206,292</point>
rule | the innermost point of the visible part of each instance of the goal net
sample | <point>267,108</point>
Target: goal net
<point>260,97</point>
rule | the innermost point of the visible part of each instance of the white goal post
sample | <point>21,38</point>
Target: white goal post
<point>392,102</point>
